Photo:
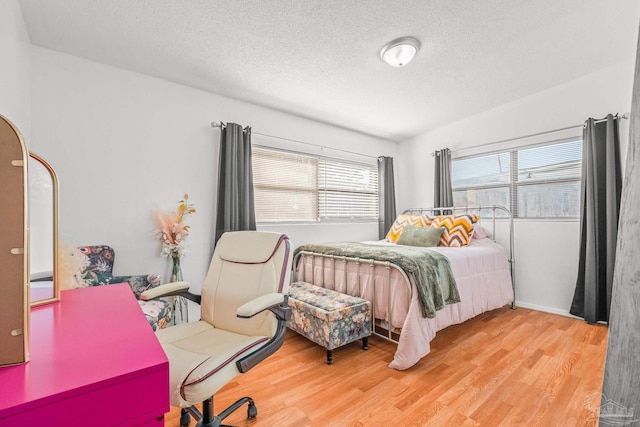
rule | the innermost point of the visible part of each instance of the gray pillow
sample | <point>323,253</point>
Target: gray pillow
<point>426,237</point>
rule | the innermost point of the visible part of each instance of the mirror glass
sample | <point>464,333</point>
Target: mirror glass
<point>43,230</point>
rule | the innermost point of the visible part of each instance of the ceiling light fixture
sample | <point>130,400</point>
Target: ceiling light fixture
<point>400,52</point>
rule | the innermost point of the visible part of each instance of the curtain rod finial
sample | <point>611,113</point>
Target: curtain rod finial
<point>215,125</point>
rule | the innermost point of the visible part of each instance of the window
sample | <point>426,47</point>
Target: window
<point>294,187</point>
<point>535,182</point>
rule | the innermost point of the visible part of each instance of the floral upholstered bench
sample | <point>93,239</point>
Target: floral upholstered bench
<point>328,318</point>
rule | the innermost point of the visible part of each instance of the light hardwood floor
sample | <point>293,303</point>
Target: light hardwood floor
<point>503,368</point>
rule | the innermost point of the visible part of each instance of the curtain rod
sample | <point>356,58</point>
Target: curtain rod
<point>624,116</point>
<point>322,147</point>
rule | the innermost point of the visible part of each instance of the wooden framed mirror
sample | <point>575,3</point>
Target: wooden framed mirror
<point>43,231</point>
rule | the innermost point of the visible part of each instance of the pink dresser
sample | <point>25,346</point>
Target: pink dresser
<point>94,362</point>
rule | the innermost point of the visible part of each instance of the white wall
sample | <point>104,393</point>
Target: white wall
<point>124,143</point>
<point>15,68</point>
<point>546,252</point>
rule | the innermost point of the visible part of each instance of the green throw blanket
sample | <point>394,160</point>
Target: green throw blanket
<point>430,269</point>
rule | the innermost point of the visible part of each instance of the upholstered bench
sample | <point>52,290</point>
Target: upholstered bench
<point>328,318</point>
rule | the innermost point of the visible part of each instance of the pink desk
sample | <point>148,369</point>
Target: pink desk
<point>94,361</point>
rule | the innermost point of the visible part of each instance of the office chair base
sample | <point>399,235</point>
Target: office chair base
<point>185,418</point>
<point>207,419</point>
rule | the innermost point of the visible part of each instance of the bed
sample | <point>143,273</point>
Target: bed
<point>482,269</point>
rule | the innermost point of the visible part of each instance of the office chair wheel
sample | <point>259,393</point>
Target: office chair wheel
<point>252,410</point>
<point>185,418</point>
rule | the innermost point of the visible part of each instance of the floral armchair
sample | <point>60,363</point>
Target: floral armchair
<point>98,272</point>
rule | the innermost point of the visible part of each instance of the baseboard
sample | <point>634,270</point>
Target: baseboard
<point>546,309</point>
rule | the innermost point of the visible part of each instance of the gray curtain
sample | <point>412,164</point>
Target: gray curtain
<point>442,190</point>
<point>236,208</point>
<point>621,388</point>
<point>386,196</point>
<point>599,211</point>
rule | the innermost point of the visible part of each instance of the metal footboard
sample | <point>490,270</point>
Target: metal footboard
<point>300,275</point>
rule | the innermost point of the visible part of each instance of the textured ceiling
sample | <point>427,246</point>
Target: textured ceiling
<point>319,59</point>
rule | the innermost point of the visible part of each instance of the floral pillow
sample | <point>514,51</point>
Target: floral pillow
<point>403,220</point>
<point>458,229</point>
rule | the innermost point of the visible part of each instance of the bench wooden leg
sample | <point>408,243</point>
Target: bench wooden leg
<point>365,343</point>
<point>329,357</point>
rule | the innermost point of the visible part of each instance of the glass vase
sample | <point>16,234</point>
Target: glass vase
<point>181,314</point>
<point>176,271</point>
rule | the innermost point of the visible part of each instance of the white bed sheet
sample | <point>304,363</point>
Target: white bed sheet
<point>482,275</point>
<point>483,278</point>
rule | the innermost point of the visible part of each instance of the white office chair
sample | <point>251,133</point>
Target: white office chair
<point>243,315</point>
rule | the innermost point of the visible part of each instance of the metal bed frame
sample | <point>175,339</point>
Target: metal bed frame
<point>478,210</point>
<point>299,269</point>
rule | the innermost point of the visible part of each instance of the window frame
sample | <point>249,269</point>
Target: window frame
<point>514,184</point>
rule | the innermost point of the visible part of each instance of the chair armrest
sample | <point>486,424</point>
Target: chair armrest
<point>168,289</point>
<point>258,305</point>
<point>138,282</point>
<point>277,304</point>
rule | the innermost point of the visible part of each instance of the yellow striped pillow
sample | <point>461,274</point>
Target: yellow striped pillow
<point>458,229</point>
<point>403,220</point>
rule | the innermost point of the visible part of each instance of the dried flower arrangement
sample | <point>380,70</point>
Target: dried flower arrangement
<point>172,232</point>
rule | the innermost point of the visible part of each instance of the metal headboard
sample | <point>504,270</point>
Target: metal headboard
<point>483,217</point>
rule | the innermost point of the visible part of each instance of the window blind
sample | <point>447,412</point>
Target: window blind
<point>285,186</point>
<point>295,187</point>
<point>347,190</point>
